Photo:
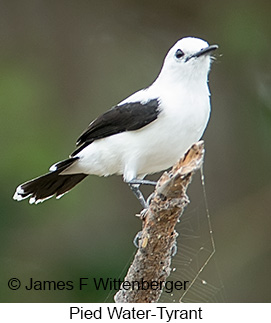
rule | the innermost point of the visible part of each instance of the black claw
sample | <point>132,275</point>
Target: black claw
<point>143,213</point>
<point>137,238</point>
<point>174,250</point>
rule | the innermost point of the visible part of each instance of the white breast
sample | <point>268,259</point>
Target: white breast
<point>153,148</point>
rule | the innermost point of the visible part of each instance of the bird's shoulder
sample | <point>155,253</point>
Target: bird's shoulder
<point>130,114</point>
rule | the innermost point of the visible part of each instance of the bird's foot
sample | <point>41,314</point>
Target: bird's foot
<point>137,238</point>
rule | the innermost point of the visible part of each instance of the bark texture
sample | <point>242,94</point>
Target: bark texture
<point>157,240</point>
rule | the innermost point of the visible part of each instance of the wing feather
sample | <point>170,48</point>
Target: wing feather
<point>120,118</point>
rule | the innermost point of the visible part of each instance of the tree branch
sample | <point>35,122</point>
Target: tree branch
<point>157,243</point>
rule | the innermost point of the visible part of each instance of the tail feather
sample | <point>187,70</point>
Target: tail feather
<point>50,184</point>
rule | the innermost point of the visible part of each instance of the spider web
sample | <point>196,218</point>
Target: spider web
<point>195,258</point>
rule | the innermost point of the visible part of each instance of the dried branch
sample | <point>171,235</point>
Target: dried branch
<point>151,265</point>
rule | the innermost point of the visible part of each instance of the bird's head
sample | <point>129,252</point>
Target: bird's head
<point>188,59</point>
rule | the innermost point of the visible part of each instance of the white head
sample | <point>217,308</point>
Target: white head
<point>188,59</point>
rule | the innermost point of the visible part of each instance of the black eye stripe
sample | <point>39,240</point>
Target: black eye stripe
<point>179,53</point>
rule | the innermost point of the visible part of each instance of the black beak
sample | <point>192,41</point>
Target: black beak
<point>203,51</point>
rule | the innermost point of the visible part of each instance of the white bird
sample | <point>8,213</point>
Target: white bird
<point>144,134</point>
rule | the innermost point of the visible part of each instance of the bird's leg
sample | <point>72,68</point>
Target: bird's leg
<point>142,181</point>
<point>150,197</point>
<point>134,185</point>
<point>135,189</point>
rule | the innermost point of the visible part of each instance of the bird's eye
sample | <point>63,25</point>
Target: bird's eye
<point>179,53</point>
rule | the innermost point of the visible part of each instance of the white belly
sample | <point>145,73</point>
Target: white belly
<point>151,149</point>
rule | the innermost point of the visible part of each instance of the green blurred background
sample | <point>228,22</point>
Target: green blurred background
<point>62,63</point>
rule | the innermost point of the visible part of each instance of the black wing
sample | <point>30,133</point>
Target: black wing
<point>120,118</point>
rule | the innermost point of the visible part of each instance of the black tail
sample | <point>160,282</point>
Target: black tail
<point>48,185</point>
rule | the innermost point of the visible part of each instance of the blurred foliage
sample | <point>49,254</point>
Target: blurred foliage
<point>62,63</point>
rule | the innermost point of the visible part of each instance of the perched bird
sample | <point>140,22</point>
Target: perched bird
<point>144,134</point>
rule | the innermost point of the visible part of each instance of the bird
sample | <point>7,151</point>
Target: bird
<point>146,133</point>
